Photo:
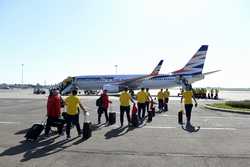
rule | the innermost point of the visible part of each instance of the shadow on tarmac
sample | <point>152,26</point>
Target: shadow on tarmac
<point>116,132</point>
<point>24,131</point>
<point>40,148</point>
<point>191,129</point>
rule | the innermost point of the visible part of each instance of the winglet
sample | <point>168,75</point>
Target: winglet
<point>157,69</point>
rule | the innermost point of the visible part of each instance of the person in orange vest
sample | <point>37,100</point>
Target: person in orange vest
<point>72,105</point>
<point>160,97</point>
<point>141,98</point>
<point>188,104</point>
<point>166,99</point>
<point>125,99</point>
<point>149,99</point>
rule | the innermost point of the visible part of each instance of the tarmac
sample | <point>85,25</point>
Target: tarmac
<point>223,138</point>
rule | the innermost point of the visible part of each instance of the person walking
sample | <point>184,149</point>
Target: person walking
<point>188,104</point>
<point>124,100</point>
<point>160,97</point>
<point>166,94</point>
<point>141,98</point>
<point>72,104</point>
<point>54,103</point>
<point>104,106</point>
<point>149,99</point>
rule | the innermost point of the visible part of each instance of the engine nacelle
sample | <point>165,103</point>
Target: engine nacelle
<point>111,88</point>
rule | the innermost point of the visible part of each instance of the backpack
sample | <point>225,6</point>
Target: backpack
<point>98,102</point>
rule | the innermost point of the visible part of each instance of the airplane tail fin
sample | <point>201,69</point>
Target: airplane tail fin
<point>195,64</point>
<point>157,69</point>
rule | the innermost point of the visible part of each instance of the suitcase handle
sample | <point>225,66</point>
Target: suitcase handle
<point>85,116</point>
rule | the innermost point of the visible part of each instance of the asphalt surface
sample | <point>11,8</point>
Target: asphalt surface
<point>223,139</point>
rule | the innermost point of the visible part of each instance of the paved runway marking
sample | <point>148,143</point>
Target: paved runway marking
<point>206,117</point>
<point>9,122</point>
<point>169,127</point>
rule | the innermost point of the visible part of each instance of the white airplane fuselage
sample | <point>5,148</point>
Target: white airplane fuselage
<point>189,74</point>
<point>98,82</point>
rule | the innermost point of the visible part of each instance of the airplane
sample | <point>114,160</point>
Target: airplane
<point>111,83</point>
<point>189,74</point>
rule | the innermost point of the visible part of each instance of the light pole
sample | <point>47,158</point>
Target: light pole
<point>22,73</point>
<point>116,66</point>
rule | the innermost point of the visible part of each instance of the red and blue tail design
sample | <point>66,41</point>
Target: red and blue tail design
<point>195,64</point>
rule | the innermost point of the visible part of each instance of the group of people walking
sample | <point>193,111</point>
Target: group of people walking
<point>73,105</point>
<point>70,117</point>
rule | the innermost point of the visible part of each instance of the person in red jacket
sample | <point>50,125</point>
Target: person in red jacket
<point>54,112</point>
<point>104,106</point>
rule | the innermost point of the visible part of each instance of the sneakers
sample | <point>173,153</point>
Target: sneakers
<point>79,135</point>
<point>189,126</point>
<point>68,136</point>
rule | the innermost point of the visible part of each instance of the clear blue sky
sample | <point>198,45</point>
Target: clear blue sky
<point>59,38</point>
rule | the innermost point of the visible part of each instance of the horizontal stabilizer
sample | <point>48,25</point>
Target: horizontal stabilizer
<point>211,72</point>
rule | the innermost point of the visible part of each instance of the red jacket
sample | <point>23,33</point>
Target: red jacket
<point>54,106</point>
<point>105,101</point>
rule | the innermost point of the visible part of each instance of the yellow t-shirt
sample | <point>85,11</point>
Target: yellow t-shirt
<point>72,103</point>
<point>166,94</point>
<point>141,97</point>
<point>187,95</point>
<point>160,95</point>
<point>124,99</point>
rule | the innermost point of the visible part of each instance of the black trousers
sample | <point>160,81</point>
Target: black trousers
<point>188,109</point>
<point>54,122</point>
<point>72,119</point>
<point>141,110</point>
<point>160,104</point>
<point>147,106</point>
<point>122,110</point>
<point>100,111</point>
<point>166,104</point>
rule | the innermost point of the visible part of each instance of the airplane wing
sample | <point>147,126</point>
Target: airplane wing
<point>138,80</point>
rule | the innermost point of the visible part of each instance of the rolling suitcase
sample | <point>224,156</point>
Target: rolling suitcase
<point>180,117</point>
<point>135,121</point>
<point>34,132</point>
<point>112,118</point>
<point>87,131</point>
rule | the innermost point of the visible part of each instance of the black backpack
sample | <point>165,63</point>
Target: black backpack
<point>98,102</point>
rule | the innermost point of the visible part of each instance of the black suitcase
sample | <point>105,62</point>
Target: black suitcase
<point>34,132</point>
<point>180,117</point>
<point>112,118</point>
<point>135,121</point>
<point>87,131</point>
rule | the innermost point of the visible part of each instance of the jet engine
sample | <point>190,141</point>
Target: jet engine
<point>111,88</point>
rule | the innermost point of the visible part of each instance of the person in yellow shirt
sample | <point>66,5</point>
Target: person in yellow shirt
<point>149,99</point>
<point>166,99</point>
<point>141,98</point>
<point>188,103</point>
<point>160,97</point>
<point>125,99</point>
<point>72,105</point>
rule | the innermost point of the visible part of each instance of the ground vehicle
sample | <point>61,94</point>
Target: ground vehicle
<point>39,91</point>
